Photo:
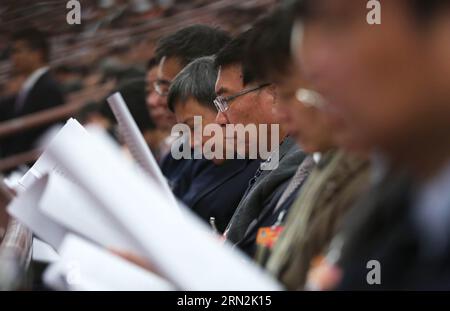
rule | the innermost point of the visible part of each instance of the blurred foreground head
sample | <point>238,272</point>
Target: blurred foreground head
<point>173,53</point>
<point>387,85</point>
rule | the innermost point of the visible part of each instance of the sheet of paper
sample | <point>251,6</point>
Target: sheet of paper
<point>25,209</point>
<point>72,130</point>
<point>177,244</point>
<point>43,252</point>
<point>85,266</point>
<point>68,205</point>
<point>137,145</point>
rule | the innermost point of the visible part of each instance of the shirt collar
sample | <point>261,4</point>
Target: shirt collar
<point>34,77</point>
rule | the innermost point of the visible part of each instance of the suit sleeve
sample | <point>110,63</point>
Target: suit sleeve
<point>48,97</point>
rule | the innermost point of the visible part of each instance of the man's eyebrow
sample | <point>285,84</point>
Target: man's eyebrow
<point>221,91</point>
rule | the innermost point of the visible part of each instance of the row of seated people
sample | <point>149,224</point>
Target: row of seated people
<point>314,183</point>
<point>348,188</point>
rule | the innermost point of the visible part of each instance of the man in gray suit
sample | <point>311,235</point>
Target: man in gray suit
<point>242,100</point>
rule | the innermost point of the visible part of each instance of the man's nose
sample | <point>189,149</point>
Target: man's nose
<point>221,118</point>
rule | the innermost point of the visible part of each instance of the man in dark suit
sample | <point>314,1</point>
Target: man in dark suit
<point>398,236</point>
<point>215,185</point>
<point>173,53</point>
<point>30,56</point>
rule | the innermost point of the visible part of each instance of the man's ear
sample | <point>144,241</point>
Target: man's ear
<point>272,91</point>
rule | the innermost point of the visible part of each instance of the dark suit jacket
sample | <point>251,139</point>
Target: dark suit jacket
<point>266,218</point>
<point>45,94</point>
<point>179,173</point>
<point>215,190</point>
<point>381,228</point>
<point>266,186</point>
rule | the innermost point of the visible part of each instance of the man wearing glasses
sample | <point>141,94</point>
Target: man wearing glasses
<point>242,101</point>
<point>173,53</point>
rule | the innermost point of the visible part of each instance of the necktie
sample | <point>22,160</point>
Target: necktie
<point>298,178</point>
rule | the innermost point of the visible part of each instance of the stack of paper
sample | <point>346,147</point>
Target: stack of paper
<point>95,193</point>
<point>84,266</point>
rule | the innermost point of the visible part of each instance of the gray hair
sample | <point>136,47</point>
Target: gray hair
<point>197,80</point>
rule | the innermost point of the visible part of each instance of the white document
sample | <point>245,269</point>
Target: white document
<point>177,244</point>
<point>25,209</point>
<point>51,204</point>
<point>68,205</point>
<point>72,130</point>
<point>85,266</point>
<point>54,206</point>
<point>137,145</point>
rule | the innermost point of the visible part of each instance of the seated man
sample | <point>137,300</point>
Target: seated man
<point>242,100</point>
<point>30,55</point>
<point>173,53</point>
<point>215,186</point>
<point>338,179</point>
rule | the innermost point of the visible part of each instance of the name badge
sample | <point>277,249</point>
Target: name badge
<point>268,236</point>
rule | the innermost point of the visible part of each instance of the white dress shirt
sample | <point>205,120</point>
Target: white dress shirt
<point>28,85</point>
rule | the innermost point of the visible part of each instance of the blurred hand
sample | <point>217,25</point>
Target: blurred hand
<point>137,260</point>
<point>322,275</point>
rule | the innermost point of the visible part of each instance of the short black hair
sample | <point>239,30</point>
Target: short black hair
<point>152,63</point>
<point>267,52</point>
<point>35,39</point>
<point>232,54</point>
<point>197,80</point>
<point>191,42</point>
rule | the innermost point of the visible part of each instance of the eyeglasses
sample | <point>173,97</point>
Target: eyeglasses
<point>222,103</point>
<point>162,87</point>
<point>310,98</point>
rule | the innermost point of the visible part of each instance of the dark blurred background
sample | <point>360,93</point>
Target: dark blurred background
<point>110,48</point>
